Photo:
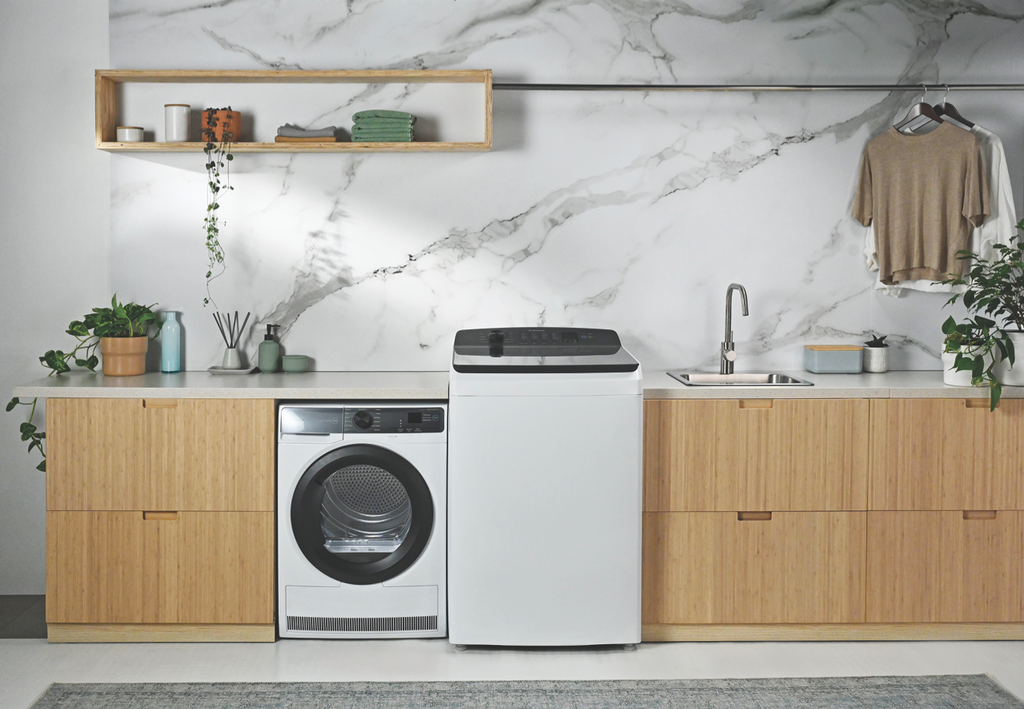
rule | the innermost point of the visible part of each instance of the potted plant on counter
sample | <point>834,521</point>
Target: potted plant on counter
<point>876,354</point>
<point>994,295</point>
<point>958,355</point>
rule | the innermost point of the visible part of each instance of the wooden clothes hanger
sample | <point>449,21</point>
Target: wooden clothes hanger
<point>917,111</point>
<point>947,112</point>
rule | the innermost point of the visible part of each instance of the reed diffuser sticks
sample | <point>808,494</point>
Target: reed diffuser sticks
<point>229,328</point>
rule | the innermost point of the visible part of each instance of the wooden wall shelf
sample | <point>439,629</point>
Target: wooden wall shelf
<point>106,106</point>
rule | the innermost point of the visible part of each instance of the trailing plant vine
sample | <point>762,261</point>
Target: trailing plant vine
<point>218,157</point>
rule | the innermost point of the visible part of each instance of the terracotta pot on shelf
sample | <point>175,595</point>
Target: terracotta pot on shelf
<point>124,356</point>
<point>227,121</point>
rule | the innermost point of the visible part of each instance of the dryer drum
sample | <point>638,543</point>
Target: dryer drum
<point>365,502</point>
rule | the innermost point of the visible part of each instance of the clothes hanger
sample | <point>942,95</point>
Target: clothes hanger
<point>919,110</point>
<point>948,112</point>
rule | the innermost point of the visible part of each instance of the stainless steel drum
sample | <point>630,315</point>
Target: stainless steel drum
<point>365,510</point>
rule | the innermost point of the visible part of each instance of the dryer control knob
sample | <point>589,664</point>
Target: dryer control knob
<point>362,419</point>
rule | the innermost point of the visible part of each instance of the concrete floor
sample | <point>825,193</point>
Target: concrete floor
<point>28,666</point>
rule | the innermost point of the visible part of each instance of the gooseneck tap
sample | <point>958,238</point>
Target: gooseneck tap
<point>728,346</point>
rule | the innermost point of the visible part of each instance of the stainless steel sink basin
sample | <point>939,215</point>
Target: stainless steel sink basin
<point>739,379</point>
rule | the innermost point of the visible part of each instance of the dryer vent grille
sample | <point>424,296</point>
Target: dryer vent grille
<point>362,625</point>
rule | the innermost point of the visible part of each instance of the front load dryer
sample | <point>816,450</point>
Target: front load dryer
<point>361,520</point>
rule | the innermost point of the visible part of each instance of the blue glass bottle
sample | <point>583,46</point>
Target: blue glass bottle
<point>170,344</point>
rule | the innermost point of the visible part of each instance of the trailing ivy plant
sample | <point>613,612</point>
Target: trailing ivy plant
<point>119,320</point>
<point>218,157</point>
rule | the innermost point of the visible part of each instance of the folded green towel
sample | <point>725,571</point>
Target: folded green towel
<point>377,128</point>
<point>382,124</point>
<point>378,139</point>
<point>381,113</point>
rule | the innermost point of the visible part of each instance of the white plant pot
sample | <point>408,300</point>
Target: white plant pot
<point>876,359</point>
<point>952,377</point>
<point>1007,375</point>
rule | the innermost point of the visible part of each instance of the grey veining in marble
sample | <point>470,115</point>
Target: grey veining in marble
<point>629,211</point>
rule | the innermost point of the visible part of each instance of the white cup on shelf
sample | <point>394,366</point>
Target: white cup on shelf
<point>176,122</point>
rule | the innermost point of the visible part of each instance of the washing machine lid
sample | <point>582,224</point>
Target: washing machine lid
<point>511,350</point>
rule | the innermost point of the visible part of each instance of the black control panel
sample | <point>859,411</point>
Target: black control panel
<point>314,421</point>
<point>536,342</point>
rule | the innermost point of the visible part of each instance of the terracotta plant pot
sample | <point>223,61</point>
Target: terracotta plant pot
<point>124,356</point>
<point>227,121</point>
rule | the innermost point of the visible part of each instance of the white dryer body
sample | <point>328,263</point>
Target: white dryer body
<point>361,520</point>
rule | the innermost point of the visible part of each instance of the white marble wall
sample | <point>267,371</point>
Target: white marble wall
<point>622,210</point>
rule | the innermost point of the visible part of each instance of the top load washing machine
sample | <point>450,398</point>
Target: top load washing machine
<point>544,487</point>
<point>361,519</point>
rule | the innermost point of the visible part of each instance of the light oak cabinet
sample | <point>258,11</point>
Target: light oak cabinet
<point>160,522</point>
<point>833,519</point>
<point>947,454</point>
<point>723,567</point>
<point>945,567</point>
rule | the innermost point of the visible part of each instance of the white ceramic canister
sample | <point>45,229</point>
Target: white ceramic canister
<point>176,117</point>
<point>1007,375</point>
<point>876,359</point>
<point>129,134</point>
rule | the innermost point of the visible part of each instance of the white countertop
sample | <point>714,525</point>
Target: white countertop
<point>434,385</point>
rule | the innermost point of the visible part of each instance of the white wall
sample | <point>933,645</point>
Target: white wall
<point>54,220</point>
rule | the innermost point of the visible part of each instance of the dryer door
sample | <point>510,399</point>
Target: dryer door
<point>362,514</point>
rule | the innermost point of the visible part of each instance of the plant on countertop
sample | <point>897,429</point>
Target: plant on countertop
<point>994,288</point>
<point>876,341</point>
<point>119,320</point>
<point>218,155</point>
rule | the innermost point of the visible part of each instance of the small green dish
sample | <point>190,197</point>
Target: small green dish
<point>295,363</point>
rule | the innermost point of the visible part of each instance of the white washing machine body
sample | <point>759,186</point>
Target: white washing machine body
<point>361,519</point>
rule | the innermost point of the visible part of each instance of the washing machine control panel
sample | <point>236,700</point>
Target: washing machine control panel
<point>427,419</point>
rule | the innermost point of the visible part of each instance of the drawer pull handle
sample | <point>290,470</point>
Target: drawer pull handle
<point>977,403</point>
<point>754,516</point>
<point>159,403</point>
<point>159,516</point>
<point>979,514</point>
<point>756,403</point>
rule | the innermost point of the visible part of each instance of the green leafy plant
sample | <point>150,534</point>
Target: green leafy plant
<point>994,298</point>
<point>218,157</point>
<point>119,320</point>
<point>876,341</point>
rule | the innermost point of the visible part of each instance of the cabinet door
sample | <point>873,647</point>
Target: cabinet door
<point>712,567</point>
<point>169,454</point>
<point>800,454</point>
<point>945,567</point>
<point>199,567</point>
<point>947,454</point>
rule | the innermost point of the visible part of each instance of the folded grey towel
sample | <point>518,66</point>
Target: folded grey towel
<point>292,131</point>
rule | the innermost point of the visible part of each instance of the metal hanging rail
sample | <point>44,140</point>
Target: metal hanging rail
<point>509,86</point>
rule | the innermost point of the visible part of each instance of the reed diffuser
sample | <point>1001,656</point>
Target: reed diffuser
<point>232,333</point>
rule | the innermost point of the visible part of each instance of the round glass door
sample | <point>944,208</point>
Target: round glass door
<point>362,514</point>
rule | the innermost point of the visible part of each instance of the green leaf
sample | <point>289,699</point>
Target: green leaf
<point>41,467</point>
<point>12,403</point>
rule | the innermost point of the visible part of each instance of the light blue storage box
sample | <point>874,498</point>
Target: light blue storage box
<point>834,359</point>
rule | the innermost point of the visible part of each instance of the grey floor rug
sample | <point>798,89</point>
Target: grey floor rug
<point>933,692</point>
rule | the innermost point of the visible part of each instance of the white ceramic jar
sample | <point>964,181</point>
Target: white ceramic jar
<point>129,134</point>
<point>176,117</point>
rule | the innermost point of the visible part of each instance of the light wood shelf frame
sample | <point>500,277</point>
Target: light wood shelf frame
<point>106,106</point>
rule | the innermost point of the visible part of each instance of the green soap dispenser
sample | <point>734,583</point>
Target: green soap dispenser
<point>269,353</point>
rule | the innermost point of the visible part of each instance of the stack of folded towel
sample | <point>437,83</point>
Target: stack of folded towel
<point>380,126</point>
<point>289,133</point>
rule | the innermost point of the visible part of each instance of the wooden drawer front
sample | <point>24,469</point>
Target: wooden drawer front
<point>807,454</point>
<point>201,567</point>
<point>179,454</point>
<point>938,567</point>
<point>710,567</point>
<point>938,454</point>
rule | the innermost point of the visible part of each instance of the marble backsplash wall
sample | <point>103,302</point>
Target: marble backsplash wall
<point>632,211</point>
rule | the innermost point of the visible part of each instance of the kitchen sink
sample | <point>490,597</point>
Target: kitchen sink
<point>739,379</point>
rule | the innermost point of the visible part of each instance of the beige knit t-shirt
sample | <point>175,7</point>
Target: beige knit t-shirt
<point>924,193</point>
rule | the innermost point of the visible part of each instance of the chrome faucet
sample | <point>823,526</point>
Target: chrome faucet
<point>728,346</point>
